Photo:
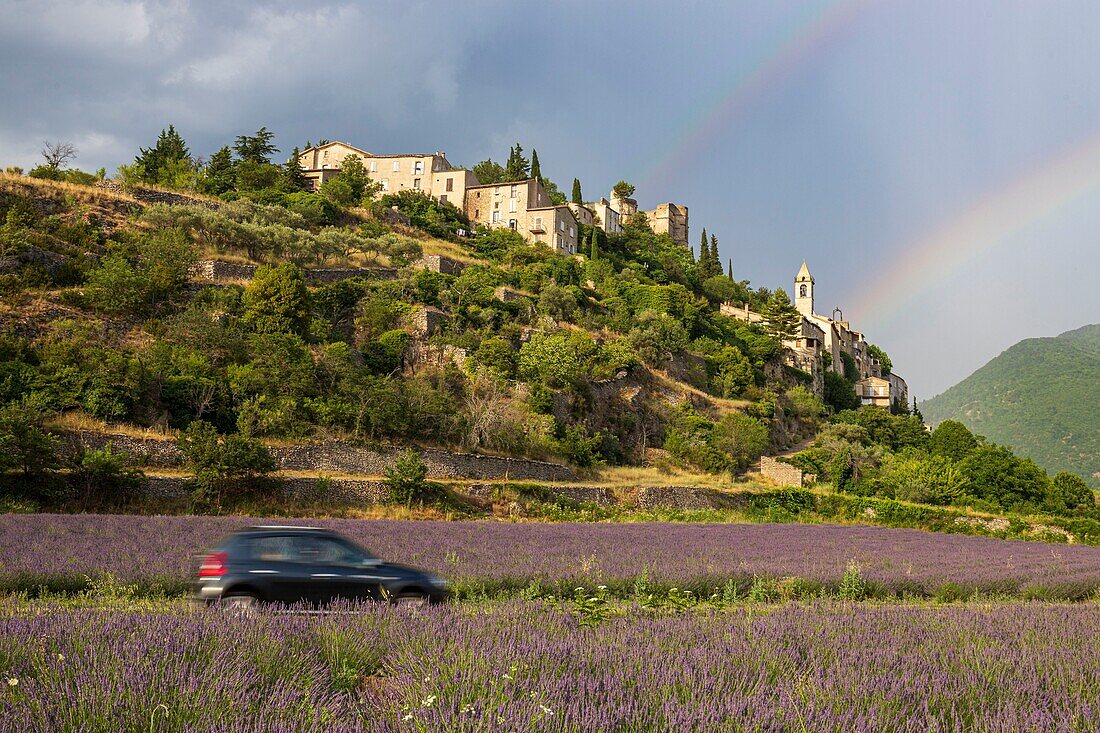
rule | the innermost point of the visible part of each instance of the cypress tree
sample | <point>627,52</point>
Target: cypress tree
<point>517,168</point>
<point>729,273</point>
<point>715,260</point>
<point>577,192</point>
<point>704,254</point>
<point>594,251</point>
<point>293,175</point>
<point>536,169</point>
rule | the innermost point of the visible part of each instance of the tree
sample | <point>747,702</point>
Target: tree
<point>232,463</point>
<point>220,175</point>
<point>518,167</point>
<point>577,198</point>
<point>407,479</point>
<point>294,178</point>
<point>1069,491</point>
<point>536,169</point>
<point>623,190</point>
<point>715,259</point>
<point>277,301</point>
<point>24,444</point>
<point>953,440</point>
<point>839,392</point>
<point>594,251</point>
<point>657,337</point>
<point>883,360</point>
<point>352,186</point>
<point>489,172</point>
<point>169,149</point>
<point>993,473</point>
<point>729,272</point>
<point>57,155</point>
<point>256,148</point>
<point>782,320</point>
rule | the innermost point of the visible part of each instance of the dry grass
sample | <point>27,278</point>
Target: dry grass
<point>629,476</point>
<point>76,420</point>
<point>84,194</point>
<point>451,250</point>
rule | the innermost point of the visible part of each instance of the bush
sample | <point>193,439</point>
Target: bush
<point>277,301</point>
<point>100,476</point>
<point>407,480</point>
<point>223,465</point>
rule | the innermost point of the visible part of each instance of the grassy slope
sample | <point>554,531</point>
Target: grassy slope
<point>1039,397</point>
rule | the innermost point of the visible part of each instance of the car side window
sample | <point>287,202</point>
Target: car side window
<point>273,549</point>
<point>324,551</point>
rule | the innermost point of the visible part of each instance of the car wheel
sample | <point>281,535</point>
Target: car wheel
<point>411,599</point>
<point>242,604</point>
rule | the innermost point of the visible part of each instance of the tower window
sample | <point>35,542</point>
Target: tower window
<point>801,291</point>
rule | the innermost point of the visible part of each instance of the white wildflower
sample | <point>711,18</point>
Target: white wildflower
<point>428,701</point>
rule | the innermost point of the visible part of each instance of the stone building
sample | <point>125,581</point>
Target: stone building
<point>431,173</point>
<point>670,219</point>
<point>525,207</point>
<point>606,217</point>
<point>874,391</point>
<point>583,213</point>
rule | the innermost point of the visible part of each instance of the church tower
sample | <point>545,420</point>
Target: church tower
<point>804,291</point>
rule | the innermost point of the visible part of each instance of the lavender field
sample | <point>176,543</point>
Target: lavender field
<point>530,667</point>
<point>503,555</point>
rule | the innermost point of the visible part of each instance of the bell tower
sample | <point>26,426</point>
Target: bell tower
<point>804,291</point>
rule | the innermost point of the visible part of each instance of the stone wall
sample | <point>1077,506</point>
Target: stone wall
<point>599,495</point>
<point>154,196</point>
<point>441,264</point>
<point>688,497</point>
<point>335,457</point>
<point>220,271</point>
<point>305,490</point>
<point>783,474</point>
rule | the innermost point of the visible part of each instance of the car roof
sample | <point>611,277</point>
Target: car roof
<point>278,527</point>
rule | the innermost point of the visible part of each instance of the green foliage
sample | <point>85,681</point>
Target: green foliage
<point>883,360</point>
<point>576,197</point>
<point>143,274</point>
<point>518,167</point>
<point>256,148</point>
<point>489,172</point>
<point>952,440</point>
<point>657,337</point>
<point>25,445</point>
<point>223,465</point>
<point>1069,491</point>
<point>294,178</point>
<point>781,319</point>
<point>352,186</point>
<point>623,190</point>
<point>100,476</point>
<point>558,359</point>
<point>1039,398</point>
<point>277,301</point>
<point>839,392</point>
<point>994,474</point>
<point>438,218</point>
<point>729,444</point>
<point>220,174</point>
<point>407,480</point>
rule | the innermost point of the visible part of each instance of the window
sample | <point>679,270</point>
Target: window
<point>385,184</point>
<point>396,166</point>
<point>451,185</point>
<point>477,213</point>
<point>572,232</point>
<point>374,166</point>
<point>416,183</point>
<point>559,242</point>
<point>418,167</point>
<point>512,194</point>
<point>538,223</point>
<point>512,224</point>
<point>801,291</point>
<point>442,198</point>
<point>561,226</point>
<point>496,217</point>
<point>496,205</point>
<point>512,205</point>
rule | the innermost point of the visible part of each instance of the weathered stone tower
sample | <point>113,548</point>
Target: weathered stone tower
<point>804,291</point>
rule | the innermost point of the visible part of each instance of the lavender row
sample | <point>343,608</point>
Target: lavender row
<point>530,667</point>
<point>139,547</point>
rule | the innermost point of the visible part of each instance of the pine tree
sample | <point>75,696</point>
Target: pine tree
<point>536,169</point>
<point>518,168</point>
<point>256,148</point>
<point>170,147</point>
<point>293,175</point>
<point>220,175</point>
<point>577,192</point>
<point>782,320</point>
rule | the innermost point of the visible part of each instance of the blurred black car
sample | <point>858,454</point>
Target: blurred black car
<point>306,565</point>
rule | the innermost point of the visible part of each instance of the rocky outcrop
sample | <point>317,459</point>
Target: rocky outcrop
<point>156,196</point>
<point>688,497</point>
<point>783,474</point>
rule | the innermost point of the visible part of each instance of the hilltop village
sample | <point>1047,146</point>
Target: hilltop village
<point>820,342</point>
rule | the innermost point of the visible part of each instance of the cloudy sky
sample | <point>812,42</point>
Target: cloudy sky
<point>936,162</point>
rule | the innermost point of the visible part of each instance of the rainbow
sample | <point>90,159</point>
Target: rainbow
<point>990,221</point>
<point>799,43</point>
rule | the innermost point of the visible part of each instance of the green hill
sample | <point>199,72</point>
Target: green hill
<point>1039,397</point>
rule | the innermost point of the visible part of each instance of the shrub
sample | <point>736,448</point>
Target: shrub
<point>277,301</point>
<point>223,465</point>
<point>100,476</point>
<point>407,480</point>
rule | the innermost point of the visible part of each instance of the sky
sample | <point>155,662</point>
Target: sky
<point>936,162</point>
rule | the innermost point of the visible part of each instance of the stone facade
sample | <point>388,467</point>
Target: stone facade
<point>670,219</point>
<point>427,320</point>
<point>525,207</point>
<point>606,217</point>
<point>783,474</point>
<point>430,173</point>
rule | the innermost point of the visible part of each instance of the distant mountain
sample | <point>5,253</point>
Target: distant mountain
<point>1041,397</point>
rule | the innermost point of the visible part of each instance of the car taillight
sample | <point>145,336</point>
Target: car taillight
<point>213,565</point>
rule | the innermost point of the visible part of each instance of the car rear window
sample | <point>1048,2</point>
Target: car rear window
<point>304,549</point>
<point>278,548</point>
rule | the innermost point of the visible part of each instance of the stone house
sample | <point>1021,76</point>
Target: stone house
<point>525,207</point>
<point>431,173</point>
<point>874,391</point>
<point>583,213</point>
<point>606,217</point>
<point>670,219</point>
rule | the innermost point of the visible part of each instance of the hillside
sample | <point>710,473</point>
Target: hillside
<point>282,316</point>
<point>1039,397</point>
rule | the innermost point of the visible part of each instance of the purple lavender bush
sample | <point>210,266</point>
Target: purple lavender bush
<point>57,549</point>
<point>531,667</point>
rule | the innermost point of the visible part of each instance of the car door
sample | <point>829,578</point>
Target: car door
<point>327,565</point>
<point>275,570</point>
